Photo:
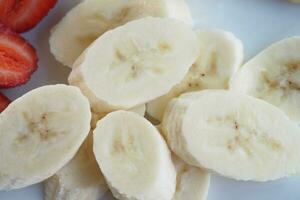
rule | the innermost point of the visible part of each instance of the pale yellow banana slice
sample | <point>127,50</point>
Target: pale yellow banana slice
<point>40,132</point>
<point>135,63</point>
<point>91,18</point>
<point>235,135</point>
<point>134,158</point>
<point>274,76</point>
<point>220,56</point>
<point>192,182</point>
<point>80,179</point>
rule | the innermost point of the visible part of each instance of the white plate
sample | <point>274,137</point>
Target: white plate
<point>257,23</point>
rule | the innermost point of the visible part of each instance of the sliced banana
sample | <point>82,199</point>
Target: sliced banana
<point>40,132</point>
<point>135,63</point>
<point>221,54</point>
<point>91,18</point>
<point>274,76</point>
<point>134,158</point>
<point>80,179</point>
<point>235,135</point>
<point>192,183</point>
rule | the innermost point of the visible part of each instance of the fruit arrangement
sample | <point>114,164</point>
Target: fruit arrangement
<point>153,106</point>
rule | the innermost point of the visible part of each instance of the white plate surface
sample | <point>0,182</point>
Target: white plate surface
<point>258,23</point>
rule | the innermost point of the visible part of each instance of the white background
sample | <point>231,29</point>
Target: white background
<point>258,23</point>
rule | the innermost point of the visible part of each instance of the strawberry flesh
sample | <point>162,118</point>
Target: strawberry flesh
<point>22,15</point>
<point>4,102</point>
<point>18,59</point>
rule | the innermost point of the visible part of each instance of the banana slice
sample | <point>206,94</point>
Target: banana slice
<point>135,63</point>
<point>221,54</point>
<point>91,18</point>
<point>274,76</point>
<point>235,135</point>
<point>134,158</point>
<point>79,179</point>
<point>192,183</point>
<point>40,132</point>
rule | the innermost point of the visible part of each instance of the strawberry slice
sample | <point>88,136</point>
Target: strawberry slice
<point>4,102</point>
<point>18,59</point>
<point>22,15</point>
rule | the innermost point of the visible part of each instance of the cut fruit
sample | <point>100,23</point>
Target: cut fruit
<point>235,135</point>
<point>220,56</point>
<point>274,76</point>
<point>80,179</point>
<point>18,59</point>
<point>192,182</point>
<point>135,63</point>
<point>40,132</point>
<point>134,157</point>
<point>4,102</point>
<point>22,15</point>
<point>91,18</point>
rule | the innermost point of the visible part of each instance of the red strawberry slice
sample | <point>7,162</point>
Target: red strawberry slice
<point>18,59</point>
<point>22,15</point>
<point>4,102</point>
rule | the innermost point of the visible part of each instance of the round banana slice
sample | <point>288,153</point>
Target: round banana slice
<point>135,63</point>
<point>40,132</point>
<point>91,18</point>
<point>274,76</point>
<point>235,135</point>
<point>80,179</point>
<point>221,54</point>
<point>192,182</point>
<point>134,158</point>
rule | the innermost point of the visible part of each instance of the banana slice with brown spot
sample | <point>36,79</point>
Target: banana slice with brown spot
<point>91,18</point>
<point>235,135</point>
<point>40,132</point>
<point>130,65</point>
<point>220,56</point>
<point>274,76</point>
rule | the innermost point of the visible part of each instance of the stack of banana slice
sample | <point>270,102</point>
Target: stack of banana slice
<point>135,63</point>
